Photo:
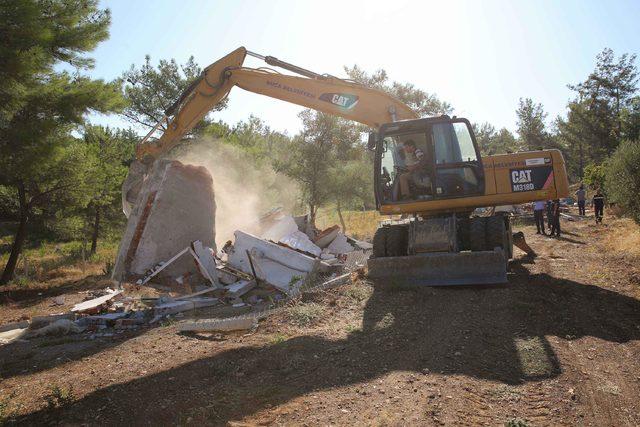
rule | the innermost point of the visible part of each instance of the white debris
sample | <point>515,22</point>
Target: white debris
<point>174,307</point>
<point>95,303</point>
<point>340,245</point>
<point>282,267</point>
<point>300,241</point>
<point>325,237</point>
<point>232,324</point>
<point>240,287</point>
<point>205,261</point>
<point>57,328</point>
<point>281,228</point>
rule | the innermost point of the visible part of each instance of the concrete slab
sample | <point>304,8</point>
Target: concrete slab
<point>279,228</point>
<point>326,236</point>
<point>240,288</point>
<point>300,241</point>
<point>174,207</point>
<point>95,303</point>
<point>221,325</point>
<point>277,265</point>
<point>339,245</point>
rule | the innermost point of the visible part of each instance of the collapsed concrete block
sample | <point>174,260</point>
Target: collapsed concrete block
<point>339,245</point>
<point>205,261</point>
<point>277,265</point>
<point>280,228</point>
<point>301,242</point>
<point>174,307</point>
<point>94,305</point>
<point>222,325</point>
<point>175,206</point>
<point>240,288</point>
<point>326,236</point>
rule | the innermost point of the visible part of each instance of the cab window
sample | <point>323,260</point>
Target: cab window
<point>405,168</point>
<point>457,166</point>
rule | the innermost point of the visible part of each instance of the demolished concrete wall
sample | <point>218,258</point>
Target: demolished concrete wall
<point>175,206</point>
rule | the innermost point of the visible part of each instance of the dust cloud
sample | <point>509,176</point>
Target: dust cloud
<point>243,190</point>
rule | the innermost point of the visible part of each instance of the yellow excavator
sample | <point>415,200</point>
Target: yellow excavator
<point>429,174</point>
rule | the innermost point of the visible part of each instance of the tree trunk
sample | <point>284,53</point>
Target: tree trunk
<point>19,239</point>
<point>312,215</point>
<point>96,231</point>
<point>344,227</point>
<point>581,164</point>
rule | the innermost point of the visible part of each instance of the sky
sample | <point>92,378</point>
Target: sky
<point>480,56</point>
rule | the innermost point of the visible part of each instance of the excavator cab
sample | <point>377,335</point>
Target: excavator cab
<point>426,160</point>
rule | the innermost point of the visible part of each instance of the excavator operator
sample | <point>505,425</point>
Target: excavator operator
<point>415,170</point>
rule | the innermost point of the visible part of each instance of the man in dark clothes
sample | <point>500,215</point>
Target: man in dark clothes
<point>581,196</point>
<point>549,214</point>
<point>555,211</point>
<point>598,205</point>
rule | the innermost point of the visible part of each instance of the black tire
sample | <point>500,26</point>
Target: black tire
<point>497,233</point>
<point>380,242</point>
<point>398,240</point>
<point>477,234</point>
<point>463,234</point>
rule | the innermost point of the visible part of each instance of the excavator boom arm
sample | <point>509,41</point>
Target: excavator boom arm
<point>327,94</point>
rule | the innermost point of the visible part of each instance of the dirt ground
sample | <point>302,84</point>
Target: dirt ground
<point>558,345</point>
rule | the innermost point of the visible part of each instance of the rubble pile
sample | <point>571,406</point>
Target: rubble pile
<point>284,257</point>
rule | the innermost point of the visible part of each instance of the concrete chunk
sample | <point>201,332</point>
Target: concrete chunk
<point>240,288</point>
<point>95,303</point>
<point>174,207</point>
<point>277,265</point>
<point>222,325</point>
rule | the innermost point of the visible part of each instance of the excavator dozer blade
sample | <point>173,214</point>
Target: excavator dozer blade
<point>439,269</point>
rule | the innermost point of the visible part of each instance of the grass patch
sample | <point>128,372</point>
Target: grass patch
<point>387,321</point>
<point>624,236</point>
<point>49,261</point>
<point>534,359</point>
<point>516,422</point>
<point>278,339</point>
<point>360,224</point>
<point>358,292</point>
<point>305,314</point>
<point>59,397</point>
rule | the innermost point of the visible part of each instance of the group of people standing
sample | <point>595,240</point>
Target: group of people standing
<point>552,209</point>
<point>597,201</point>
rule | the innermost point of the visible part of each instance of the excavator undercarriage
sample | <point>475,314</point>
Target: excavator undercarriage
<point>445,250</point>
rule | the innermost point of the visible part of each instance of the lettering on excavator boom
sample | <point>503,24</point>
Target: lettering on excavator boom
<point>343,100</point>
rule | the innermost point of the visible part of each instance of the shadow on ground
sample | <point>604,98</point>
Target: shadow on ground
<point>495,333</point>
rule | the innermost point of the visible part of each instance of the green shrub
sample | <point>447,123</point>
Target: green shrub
<point>622,181</point>
<point>594,175</point>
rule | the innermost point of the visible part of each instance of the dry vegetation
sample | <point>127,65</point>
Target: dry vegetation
<point>360,224</point>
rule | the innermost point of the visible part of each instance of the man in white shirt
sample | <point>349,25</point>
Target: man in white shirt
<point>415,162</point>
<point>538,215</point>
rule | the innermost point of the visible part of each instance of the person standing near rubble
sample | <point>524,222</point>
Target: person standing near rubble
<point>549,214</point>
<point>581,196</point>
<point>538,215</point>
<point>598,205</point>
<point>555,212</point>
